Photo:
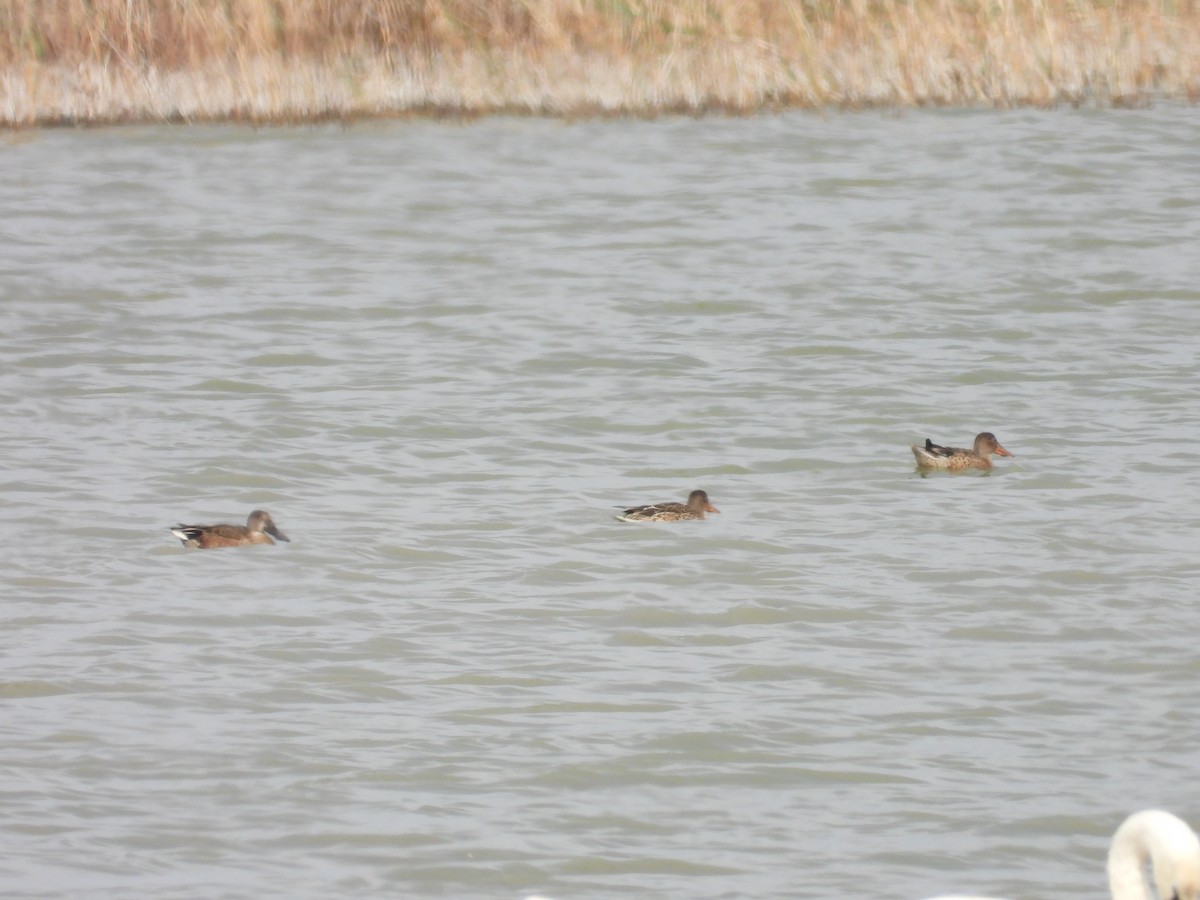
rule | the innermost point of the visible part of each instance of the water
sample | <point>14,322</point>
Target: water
<point>442,355</point>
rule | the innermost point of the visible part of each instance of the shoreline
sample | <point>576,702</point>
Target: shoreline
<point>862,55</point>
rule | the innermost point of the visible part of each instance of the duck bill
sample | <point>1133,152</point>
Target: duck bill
<point>276,533</point>
<point>1000,451</point>
<point>708,507</point>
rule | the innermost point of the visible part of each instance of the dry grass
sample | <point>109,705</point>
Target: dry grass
<point>71,61</point>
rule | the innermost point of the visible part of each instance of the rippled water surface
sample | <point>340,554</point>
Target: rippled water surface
<point>441,355</point>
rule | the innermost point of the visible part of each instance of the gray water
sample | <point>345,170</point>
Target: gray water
<point>443,355</point>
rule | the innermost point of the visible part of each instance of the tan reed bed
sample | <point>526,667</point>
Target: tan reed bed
<point>101,61</point>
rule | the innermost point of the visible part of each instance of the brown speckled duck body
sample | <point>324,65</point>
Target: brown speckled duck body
<point>259,529</point>
<point>695,508</point>
<point>956,459</point>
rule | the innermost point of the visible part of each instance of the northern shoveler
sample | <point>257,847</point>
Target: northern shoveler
<point>955,459</point>
<point>695,508</point>
<point>259,526</point>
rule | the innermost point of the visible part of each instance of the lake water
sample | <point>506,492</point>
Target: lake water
<point>442,355</point>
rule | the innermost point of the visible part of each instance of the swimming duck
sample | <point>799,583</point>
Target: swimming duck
<point>695,508</point>
<point>257,529</point>
<point>955,459</point>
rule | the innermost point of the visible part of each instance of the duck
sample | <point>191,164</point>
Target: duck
<point>955,459</point>
<point>695,508</point>
<point>259,529</point>
<point>1150,848</point>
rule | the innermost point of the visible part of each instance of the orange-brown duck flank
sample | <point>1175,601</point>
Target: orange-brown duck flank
<point>259,529</point>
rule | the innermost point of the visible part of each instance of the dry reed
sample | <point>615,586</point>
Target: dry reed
<point>96,61</point>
